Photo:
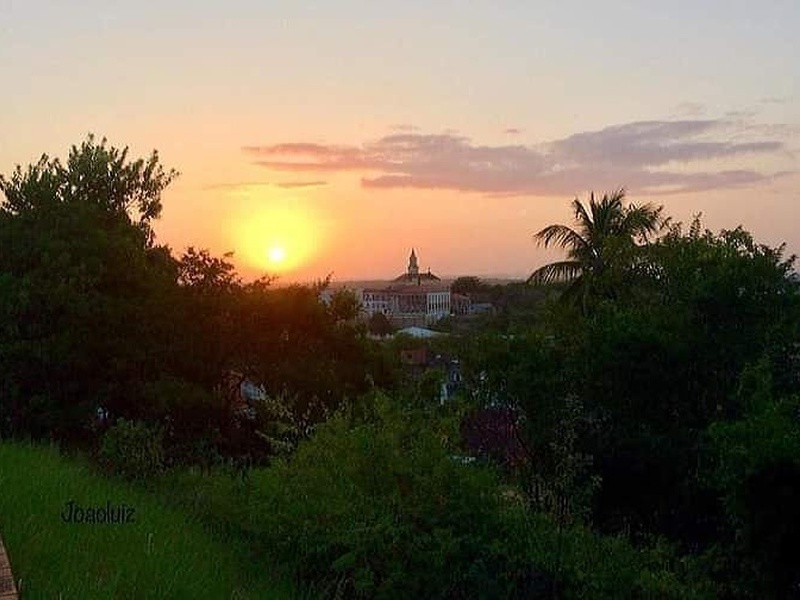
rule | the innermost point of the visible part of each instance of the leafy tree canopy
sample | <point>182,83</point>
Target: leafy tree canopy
<point>94,173</point>
<point>601,248</point>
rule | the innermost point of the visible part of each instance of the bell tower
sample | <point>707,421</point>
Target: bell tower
<point>413,267</point>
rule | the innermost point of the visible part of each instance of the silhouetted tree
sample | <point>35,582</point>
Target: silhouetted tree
<point>380,325</point>
<point>83,287</point>
<point>600,248</point>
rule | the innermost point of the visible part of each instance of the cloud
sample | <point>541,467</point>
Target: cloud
<point>647,157</point>
<point>776,100</point>
<point>741,114</point>
<point>653,143</point>
<point>288,185</point>
<point>404,128</point>
<point>689,109</point>
<point>251,184</point>
<point>512,131</point>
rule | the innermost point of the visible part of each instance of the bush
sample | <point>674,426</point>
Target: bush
<point>379,510</point>
<point>192,420</point>
<point>132,450</point>
<point>383,509</point>
<point>755,470</point>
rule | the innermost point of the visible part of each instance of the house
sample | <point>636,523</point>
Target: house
<point>415,357</point>
<point>420,360</point>
<point>460,304</point>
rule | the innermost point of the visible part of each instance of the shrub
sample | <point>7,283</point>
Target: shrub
<point>378,510</point>
<point>192,420</point>
<point>132,449</point>
<point>383,509</point>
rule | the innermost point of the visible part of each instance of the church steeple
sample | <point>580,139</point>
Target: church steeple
<point>413,267</point>
<point>413,273</point>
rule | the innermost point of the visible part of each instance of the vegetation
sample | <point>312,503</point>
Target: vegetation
<point>376,505</point>
<point>162,553</point>
<point>132,450</point>
<point>601,252</point>
<point>627,427</point>
<point>100,320</point>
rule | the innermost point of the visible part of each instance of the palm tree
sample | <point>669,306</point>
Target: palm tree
<point>604,241</point>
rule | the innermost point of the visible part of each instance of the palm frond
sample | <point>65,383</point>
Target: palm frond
<point>583,218</point>
<point>617,195</point>
<point>642,221</point>
<point>607,213</point>
<point>557,272</point>
<point>563,236</point>
<point>577,293</point>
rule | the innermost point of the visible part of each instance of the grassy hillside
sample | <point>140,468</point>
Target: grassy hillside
<point>162,553</point>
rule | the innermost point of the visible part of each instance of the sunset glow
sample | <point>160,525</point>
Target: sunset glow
<point>338,162</point>
<point>274,235</point>
<point>276,255</point>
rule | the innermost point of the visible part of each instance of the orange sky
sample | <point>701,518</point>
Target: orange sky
<point>345,134</point>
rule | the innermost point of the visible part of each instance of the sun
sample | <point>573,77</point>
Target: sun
<point>278,236</point>
<point>276,255</point>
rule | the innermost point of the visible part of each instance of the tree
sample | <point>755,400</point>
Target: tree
<point>344,306</point>
<point>204,273</point>
<point>95,174</point>
<point>600,248</point>
<point>468,285</point>
<point>662,365</point>
<point>380,325</point>
<point>209,291</point>
<point>84,289</point>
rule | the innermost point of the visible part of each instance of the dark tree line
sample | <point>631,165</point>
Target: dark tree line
<point>658,398</point>
<point>100,322</point>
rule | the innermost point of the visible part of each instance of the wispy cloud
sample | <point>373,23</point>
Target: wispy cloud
<point>404,128</point>
<point>251,184</point>
<point>654,157</point>
<point>748,113</point>
<point>776,100</point>
<point>689,109</point>
<point>288,185</point>
<point>513,131</point>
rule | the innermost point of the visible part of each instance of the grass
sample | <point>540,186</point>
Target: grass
<point>165,553</point>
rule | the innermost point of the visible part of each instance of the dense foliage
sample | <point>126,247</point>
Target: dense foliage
<point>100,323</point>
<point>664,407</point>
<point>378,505</point>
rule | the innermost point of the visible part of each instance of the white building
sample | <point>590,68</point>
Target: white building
<point>411,299</point>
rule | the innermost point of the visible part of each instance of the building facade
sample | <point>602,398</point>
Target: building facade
<point>411,299</point>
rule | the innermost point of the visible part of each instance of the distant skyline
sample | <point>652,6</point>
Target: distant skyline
<point>333,138</point>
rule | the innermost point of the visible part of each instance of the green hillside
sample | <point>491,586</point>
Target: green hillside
<point>161,553</point>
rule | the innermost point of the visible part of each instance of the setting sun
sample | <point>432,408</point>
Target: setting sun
<point>276,255</point>
<point>276,235</point>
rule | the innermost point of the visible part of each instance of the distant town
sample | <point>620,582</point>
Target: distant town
<point>414,298</point>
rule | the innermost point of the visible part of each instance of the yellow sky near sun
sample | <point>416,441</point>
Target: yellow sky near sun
<point>271,230</point>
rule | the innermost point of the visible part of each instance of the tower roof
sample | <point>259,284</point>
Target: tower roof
<point>412,275</point>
